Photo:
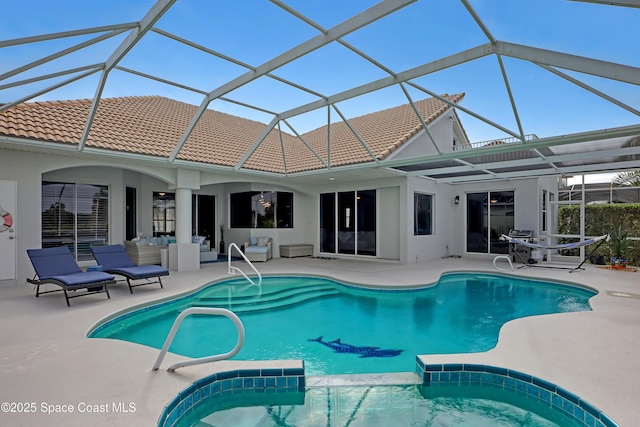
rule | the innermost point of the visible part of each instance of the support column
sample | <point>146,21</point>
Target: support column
<point>184,255</point>
<point>183,215</point>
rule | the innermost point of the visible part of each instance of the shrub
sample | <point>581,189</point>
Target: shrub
<point>603,219</point>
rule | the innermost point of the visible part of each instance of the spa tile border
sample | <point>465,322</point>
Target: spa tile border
<point>556,397</point>
<point>223,384</point>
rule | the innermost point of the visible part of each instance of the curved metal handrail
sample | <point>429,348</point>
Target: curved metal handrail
<point>201,310</point>
<point>502,257</point>
<point>232,270</point>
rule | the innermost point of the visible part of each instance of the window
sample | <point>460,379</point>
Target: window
<point>203,216</point>
<point>422,214</point>
<point>75,215</point>
<point>261,209</point>
<point>164,214</point>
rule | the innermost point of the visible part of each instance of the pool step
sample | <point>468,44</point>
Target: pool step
<point>270,300</point>
<point>250,293</point>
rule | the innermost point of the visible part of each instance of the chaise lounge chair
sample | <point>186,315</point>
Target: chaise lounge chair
<point>115,260</point>
<point>57,266</point>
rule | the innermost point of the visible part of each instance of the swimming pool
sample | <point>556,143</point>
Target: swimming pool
<point>449,394</point>
<point>339,328</point>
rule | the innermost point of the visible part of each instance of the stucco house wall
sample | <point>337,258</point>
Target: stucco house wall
<point>395,239</point>
<point>527,206</point>
<point>440,243</point>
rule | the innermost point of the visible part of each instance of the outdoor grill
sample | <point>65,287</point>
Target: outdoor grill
<point>519,252</point>
<point>521,234</point>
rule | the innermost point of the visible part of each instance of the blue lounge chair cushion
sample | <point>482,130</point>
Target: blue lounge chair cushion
<point>82,278</point>
<point>114,259</point>
<point>112,256</point>
<point>140,271</point>
<point>59,264</point>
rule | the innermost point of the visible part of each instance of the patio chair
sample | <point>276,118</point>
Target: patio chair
<point>115,260</point>
<point>258,249</point>
<point>57,266</point>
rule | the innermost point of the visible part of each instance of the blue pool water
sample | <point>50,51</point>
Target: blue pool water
<point>378,406</point>
<point>462,314</point>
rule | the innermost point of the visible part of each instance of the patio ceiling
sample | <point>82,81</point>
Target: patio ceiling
<point>304,82</point>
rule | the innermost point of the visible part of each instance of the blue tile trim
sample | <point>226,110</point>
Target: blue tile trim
<point>250,373</point>
<point>228,383</point>
<point>526,385</point>
<point>293,372</point>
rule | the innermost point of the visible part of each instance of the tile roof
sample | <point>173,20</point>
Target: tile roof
<point>152,125</point>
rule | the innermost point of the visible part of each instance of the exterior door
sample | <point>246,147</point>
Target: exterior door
<point>347,222</point>
<point>8,241</point>
<point>131,213</point>
<point>328,222</point>
<point>353,215</point>
<point>489,216</point>
<point>203,217</point>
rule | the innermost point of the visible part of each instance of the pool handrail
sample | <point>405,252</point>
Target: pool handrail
<point>201,310</point>
<point>233,270</point>
<point>502,257</point>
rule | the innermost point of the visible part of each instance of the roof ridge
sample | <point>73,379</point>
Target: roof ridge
<point>80,101</point>
<point>151,124</point>
<point>427,120</point>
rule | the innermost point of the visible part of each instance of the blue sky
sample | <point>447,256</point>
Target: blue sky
<point>254,31</point>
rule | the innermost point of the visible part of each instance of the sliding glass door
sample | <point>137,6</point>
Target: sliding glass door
<point>328,222</point>
<point>348,222</point>
<point>489,216</point>
<point>366,207</point>
<point>203,217</point>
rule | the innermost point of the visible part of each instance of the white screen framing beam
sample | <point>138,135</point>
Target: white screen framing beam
<point>623,131</point>
<point>358,21</point>
<point>419,71</point>
<point>154,14</point>
<point>528,163</point>
<point>581,64</point>
<point>622,3</point>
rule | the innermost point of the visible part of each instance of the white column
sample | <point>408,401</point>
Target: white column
<point>184,255</point>
<point>183,215</point>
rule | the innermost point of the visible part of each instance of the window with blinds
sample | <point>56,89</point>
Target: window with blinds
<point>164,214</point>
<point>75,215</point>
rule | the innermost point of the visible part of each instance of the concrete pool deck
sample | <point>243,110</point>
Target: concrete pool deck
<point>47,363</point>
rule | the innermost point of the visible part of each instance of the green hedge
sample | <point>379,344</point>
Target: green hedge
<point>599,220</point>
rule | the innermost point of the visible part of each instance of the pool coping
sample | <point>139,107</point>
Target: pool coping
<point>537,389</point>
